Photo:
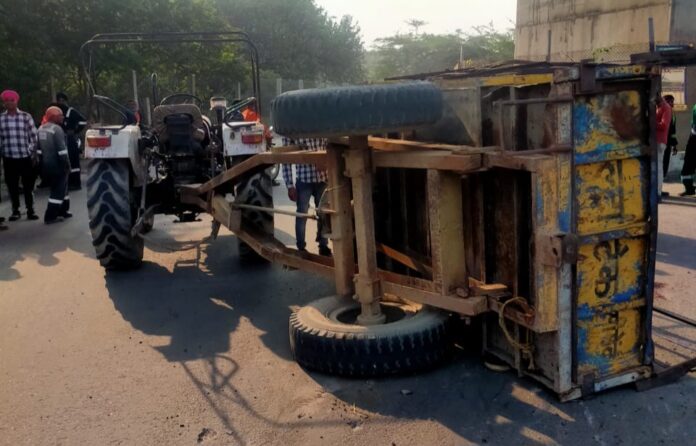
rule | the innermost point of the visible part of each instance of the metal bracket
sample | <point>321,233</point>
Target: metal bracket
<point>588,77</point>
<point>588,386</point>
<point>559,249</point>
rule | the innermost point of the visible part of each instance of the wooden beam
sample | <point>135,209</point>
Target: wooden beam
<point>470,306</point>
<point>446,231</point>
<point>221,211</point>
<point>367,282</point>
<point>406,260</point>
<point>517,161</point>
<point>423,159</point>
<point>260,162</point>
<point>342,234</point>
<point>285,149</point>
<point>404,145</point>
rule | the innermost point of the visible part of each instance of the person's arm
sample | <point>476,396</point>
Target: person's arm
<point>287,168</point>
<point>31,131</point>
<point>659,115</point>
<point>80,121</point>
<point>61,148</point>
<point>287,175</point>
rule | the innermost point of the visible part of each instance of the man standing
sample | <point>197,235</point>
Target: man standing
<point>687,173</point>
<point>664,118</point>
<point>18,142</point>
<point>671,139</point>
<point>73,124</point>
<point>56,165</point>
<point>310,183</point>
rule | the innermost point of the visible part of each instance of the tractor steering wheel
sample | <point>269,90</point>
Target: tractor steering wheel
<point>169,98</point>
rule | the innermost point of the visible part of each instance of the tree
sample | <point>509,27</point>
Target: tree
<point>419,53</point>
<point>416,24</point>
<point>298,40</point>
<point>40,41</point>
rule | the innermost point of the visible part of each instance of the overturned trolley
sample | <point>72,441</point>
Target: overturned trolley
<point>520,197</point>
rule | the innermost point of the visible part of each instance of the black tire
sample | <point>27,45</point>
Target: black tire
<point>360,110</point>
<point>322,338</point>
<point>256,190</point>
<point>112,210</point>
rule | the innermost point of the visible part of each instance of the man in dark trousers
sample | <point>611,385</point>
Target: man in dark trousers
<point>671,138</point>
<point>311,182</point>
<point>73,124</point>
<point>19,158</point>
<point>55,166</point>
<point>687,173</point>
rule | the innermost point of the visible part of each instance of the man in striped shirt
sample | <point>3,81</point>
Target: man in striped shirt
<point>18,147</point>
<point>310,182</point>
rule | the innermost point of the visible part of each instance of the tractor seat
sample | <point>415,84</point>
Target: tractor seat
<point>179,118</point>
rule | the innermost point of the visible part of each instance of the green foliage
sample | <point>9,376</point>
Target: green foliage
<point>40,41</point>
<point>413,53</point>
<point>298,40</point>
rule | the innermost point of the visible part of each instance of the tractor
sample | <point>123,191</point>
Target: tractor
<point>136,170</point>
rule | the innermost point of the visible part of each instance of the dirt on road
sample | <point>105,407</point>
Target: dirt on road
<point>192,349</point>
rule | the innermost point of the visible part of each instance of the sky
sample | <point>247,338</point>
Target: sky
<point>382,18</point>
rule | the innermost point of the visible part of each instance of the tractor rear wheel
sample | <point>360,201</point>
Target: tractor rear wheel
<point>256,190</point>
<point>112,209</point>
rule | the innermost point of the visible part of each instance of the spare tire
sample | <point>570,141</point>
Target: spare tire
<point>358,110</point>
<point>324,337</point>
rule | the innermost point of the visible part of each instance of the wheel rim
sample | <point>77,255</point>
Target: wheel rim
<point>348,314</point>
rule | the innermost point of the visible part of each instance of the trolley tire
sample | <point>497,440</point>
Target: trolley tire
<point>357,110</point>
<point>112,210</point>
<point>319,341</point>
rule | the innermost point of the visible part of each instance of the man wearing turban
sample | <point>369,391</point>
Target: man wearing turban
<point>18,149</point>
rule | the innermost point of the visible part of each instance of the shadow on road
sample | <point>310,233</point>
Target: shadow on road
<point>199,303</point>
<point>33,239</point>
<point>676,250</point>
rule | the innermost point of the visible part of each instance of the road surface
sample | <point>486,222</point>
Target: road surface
<point>192,349</point>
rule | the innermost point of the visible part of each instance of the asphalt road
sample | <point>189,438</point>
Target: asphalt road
<point>192,349</point>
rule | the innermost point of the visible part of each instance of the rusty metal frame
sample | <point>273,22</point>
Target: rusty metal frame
<point>465,299</point>
<point>445,287</point>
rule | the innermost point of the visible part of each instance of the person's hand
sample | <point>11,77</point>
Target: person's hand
<point>675,151</point>
<point>292,193</point>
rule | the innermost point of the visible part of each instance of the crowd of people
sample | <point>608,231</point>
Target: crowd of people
<point>667,143</point>
<point>51,152</point>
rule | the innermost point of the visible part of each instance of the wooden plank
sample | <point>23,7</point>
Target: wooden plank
<point>222,212</point>
<point>405,145</point>
<point>446,231</point>
<point>406,260</point>
<point>517,161</point>
<point>386,144</point>
<point>260,162</point>
<point>285,149</point>
<point>473,219</point>
<point>428,160</point>
<point>367,283</point>
<point>413,282</point>
<point>471,306</point>
<point>274,251</point>
<point>341,221</point>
